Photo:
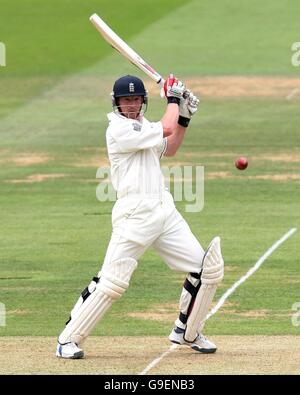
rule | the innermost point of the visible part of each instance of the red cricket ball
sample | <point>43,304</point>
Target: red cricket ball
<point>241,163</point>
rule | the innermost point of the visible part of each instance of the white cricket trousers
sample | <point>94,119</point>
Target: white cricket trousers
<point>140,222</point>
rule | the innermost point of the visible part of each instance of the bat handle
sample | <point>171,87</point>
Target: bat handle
<point>161,83</point>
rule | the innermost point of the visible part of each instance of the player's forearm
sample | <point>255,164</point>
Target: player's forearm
<point>188,105</point>
<point>175,140</point>
<point>170,119</point>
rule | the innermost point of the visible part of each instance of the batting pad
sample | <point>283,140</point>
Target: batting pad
<point>212,275</point>
<point>111,286</point>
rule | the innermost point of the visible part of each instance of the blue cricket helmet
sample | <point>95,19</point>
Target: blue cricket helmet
<point>129,85</point>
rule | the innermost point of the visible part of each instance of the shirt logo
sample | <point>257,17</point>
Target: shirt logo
<point>131,87</point>
<point>137,126</point>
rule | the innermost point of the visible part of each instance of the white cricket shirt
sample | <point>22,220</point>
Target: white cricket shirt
<point>134,150</point>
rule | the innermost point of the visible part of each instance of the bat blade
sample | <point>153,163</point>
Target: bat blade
<point>117,43</point>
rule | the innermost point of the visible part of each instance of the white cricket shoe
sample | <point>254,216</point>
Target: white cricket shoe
<point>201,344</point>
<point>69,350</point>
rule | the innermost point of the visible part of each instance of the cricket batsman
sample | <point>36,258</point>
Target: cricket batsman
<point>144,216</point>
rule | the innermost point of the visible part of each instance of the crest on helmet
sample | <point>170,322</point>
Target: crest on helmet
<point>131,87</point>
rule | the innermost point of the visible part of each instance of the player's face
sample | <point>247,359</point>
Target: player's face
<point>130,106</point>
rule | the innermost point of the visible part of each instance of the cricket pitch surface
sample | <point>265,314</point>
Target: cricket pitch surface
<point>132,355</point>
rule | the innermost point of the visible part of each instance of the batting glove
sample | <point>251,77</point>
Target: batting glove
<point>174,89</point>
<point>187,107</point>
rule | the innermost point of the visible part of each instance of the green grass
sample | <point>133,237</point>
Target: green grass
<point>48,40</point>
<point>53,99</point>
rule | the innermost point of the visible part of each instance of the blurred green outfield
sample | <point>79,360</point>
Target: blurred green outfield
<point>54,94</point>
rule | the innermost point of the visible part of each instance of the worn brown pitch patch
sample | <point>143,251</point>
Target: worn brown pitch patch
<point>223,87</point>
<point>287,157</point>
<point>213,175</point>
<point>231,268</point>
<point>24,159</point>
<point>131,355</point>
<point>27,159</point>
<point>94,161</point>
<point>276,177</point>
<point>160,312</point>
<point>38,178</point>
<point>17,312</point>
<point>247,314</point>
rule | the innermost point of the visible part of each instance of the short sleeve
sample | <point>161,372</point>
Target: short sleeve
<point>161,147</point>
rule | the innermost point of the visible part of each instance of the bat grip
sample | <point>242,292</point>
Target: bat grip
<point>161,83</point>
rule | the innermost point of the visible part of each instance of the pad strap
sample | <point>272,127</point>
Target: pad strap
<point>96,299</point>
<point>211,275</point>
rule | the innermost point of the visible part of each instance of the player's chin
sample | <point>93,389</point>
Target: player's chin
<point>133,115</point>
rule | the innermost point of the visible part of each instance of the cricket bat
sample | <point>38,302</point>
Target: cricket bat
<point>117,43</point>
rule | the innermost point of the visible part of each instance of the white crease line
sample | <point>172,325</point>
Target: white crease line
<point>250,272</point>
<point>228,293</point>
<point>158,359</point>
